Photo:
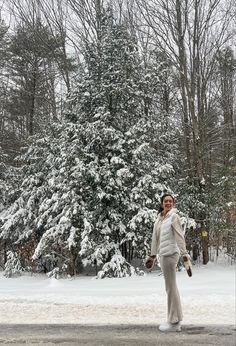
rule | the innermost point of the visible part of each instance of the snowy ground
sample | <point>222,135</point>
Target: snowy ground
<point>207,297</point>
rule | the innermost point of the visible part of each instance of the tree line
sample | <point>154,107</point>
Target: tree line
<point>106,105</point>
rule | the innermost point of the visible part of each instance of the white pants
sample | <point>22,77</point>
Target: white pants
<point>168,267</point>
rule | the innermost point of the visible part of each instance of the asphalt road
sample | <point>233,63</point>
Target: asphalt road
<point>115,335</point>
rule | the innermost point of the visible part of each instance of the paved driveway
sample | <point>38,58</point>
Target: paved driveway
<point>115,335</point>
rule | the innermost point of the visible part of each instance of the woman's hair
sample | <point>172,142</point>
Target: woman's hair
<point>162,200</point>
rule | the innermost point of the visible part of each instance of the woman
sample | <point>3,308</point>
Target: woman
<point>168,241</point>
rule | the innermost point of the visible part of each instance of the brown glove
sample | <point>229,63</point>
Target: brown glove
<point>149,263</point>
<point>188,264</point>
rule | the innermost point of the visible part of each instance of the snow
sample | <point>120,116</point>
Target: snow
<point>207,297</point>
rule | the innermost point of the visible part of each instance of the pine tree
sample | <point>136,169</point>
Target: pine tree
<point>13,266</point>
<point>118,267</point>
<point>125,159</point>
<point>47,210</point>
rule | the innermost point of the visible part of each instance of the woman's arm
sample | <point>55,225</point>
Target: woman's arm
<point>149,263</point>
<point>155,239</point>
<point>179,234</point>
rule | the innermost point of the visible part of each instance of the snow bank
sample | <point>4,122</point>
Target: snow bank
<point>207,297</point>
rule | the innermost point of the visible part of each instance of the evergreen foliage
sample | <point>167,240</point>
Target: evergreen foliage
<point>91,188</point>
<point>122,149</point>
<point>118,267</point>
<point>13,266</point>
<point>143,117</point>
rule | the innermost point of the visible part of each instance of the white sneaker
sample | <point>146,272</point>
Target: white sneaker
<point>170,327</point>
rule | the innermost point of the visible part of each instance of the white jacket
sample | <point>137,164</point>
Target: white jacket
<point>168,236</point>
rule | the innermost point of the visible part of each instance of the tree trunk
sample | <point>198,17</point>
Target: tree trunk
<point>183,82</point>
<point>32,105</point>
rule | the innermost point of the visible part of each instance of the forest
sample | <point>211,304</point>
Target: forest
<point>106,105</point>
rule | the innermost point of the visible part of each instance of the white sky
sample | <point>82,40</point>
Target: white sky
<point>208,297</point>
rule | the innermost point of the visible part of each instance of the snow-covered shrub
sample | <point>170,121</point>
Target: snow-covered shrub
<point>55,273</point>
<point>118,267</point>
<point>13,266</point>
<point>58,272</point>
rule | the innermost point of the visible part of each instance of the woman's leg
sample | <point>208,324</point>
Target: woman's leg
<point>168,266</point>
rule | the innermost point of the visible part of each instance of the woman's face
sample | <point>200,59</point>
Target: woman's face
<point>167,204</point>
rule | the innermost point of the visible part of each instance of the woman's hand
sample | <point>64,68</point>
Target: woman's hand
<point>149,262</point>
<point>188,264</point>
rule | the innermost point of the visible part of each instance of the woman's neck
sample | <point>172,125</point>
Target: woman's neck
<point>165,212</point>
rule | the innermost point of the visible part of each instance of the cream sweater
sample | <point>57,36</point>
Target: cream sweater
<point>168,236</point>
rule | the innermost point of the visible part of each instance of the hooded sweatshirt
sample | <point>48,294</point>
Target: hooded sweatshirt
<point>168,236</point>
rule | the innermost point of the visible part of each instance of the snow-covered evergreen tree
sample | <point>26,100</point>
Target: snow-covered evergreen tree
<point>126,162</point>
<point>48,208</point>
<point>13,266</point>
<point>118,267</point>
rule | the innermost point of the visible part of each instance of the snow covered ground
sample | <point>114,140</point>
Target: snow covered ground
<point>207,297</point>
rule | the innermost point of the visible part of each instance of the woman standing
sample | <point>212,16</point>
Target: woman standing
<point>168,241</point>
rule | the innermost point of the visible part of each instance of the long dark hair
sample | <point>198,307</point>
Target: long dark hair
<point>160,209</point>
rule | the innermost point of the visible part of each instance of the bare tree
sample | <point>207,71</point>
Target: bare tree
<point>56,15</point>
<point>191,33</point>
